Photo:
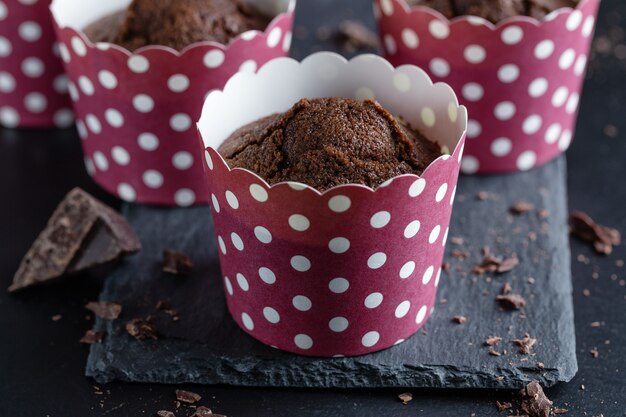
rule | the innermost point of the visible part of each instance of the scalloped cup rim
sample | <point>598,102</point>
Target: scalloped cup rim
<point>171,51</point>
<point>438,161</point>
<point>494,26</point>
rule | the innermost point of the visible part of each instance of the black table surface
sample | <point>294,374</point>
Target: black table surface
<point>42,364</point>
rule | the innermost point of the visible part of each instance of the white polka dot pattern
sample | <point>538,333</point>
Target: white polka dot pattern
<point>33,90</point>
<point>139,111</point>
<point>517,80</point>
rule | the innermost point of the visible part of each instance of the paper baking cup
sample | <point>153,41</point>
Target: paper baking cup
<point>520,79</point>
<point>351,270</point>
<point>135,111</point>
<point>33,89</point>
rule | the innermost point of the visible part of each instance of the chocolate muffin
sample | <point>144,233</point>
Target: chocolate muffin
<point>328,142</point>
<point>495,10</point>
<point>175,23</point>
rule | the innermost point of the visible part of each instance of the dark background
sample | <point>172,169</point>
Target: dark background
<point>42,363</point>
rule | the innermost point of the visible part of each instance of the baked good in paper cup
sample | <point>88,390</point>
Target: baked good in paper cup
<point>354,268</point>
<point>520,77</point>
<point>33,88</point>
<point>135,109</point>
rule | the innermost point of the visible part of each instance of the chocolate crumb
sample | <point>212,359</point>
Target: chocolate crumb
<point>460,254</point>
<point>586,292</point>
<point>482,195</point>
<point>594,352</point>
<point>494,353</point>
<point>541,365</point>
<point>503,406</point>
<point>459,319</point>
<point>445,266</point>
<point>496,264</point>
<point>511,301</point>
<point>56,317</point>
<point>506,289</point>
<point>610,131</point>
<point>162,305</point>
<point>525,344</point>
<point>176,263</point>
<point>543,214</point>
<point>204,412</point>
<point>531,280</point>
<point>187,397</point>
<point>603,238</point>
<point>355,35</point>
<point>455,240</point>
<point>104,309</point>
<point>141,329</point>
<point>164,413</point>
<point>521,207</point>
<point>406,397</point>
<point>92,336</point>
<point>560,410</point>
<point>535,402</point>
<point>493,340</point>
<point>596,324</point>
<point>619,263</point>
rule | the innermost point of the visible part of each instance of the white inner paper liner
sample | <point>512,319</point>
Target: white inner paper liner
<point>406,92</point>
<point>78,14</point>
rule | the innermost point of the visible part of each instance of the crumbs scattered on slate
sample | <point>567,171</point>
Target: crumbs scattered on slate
<point>176,263</point>
<point>503,406</point>
<point>602,238</point>
<point>535,402</point>
<point>525,344</point>
<point>187,397</point>
<point>406,397</point>
<point>141,329</point>
<point>92,336</point>
<point>104,309</point>
<point>492,340</point>
<point>56,317</point>
<point>521,207</point>
<point>459,319</point>
<point>511,301</point>
<point>164,413</point>
<point>594,352</point>
<point>354,35</point>
<point>492,263</point>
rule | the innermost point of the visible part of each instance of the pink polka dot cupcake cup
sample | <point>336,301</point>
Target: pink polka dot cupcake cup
<point>520,79</point>
<point>135,110</point>
<point>33,87</point>
<point>345,272</point>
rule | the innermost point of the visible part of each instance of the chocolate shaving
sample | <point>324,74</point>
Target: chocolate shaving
<point>355,35</point>
<point>406,397</point>
<point>535,402</point>
<point>104,309</point>
<point>187,397</point>
<point>511,301</point>
<point>82,233</point>
<point>164,413</point>
<point>92,336</point>
<point>204,412</point>
<point>459,319</point>
<point>521,207</point>
<point>503,406</point>
<point>525,344</point>
<point>496,264</point>
<point>603,238</point>
<point>176,263</point>
<point>493,340</point>
<point>141,329</point>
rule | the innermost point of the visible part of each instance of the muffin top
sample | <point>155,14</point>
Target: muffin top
<point>494,10</point>
<point>328,142</point>
<point>175,23</point>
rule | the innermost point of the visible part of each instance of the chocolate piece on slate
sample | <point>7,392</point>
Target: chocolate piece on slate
<point>535,403</point>
<point>493,340</point>
<point>525,344</point>
<point>459,319</point>
<point>511,301</point>
<point>92,336</point>
<point>406,397</point>
<point>204,412</point>
<point>141,329</point>
<point>176,263</point>
<point>492,263</point>
<point>603,238</point>
<point>104,309</point>
<point>187,397</point>
<point>165,413</point>
<point>82,233</point>
<point>558,411</point>
<point>503,405</point>
<point>521,207</point>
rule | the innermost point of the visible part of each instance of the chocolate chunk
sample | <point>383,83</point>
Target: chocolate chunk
<point>82,233</point>
<point>406,397</point>
<point>541,365</point>
<point>164,413</point>
<point>511,301</point>
<point>104,309</point>
<point>535,402</point>
<point>204,412</point>
<point>525,344</point>
<point>92,336</point>
<point>558,411</point>
<point>459,319</point>
<point>492,263</point>
<point>603,238</point>
<point>141,329</point>
<point>503,406</point>
<point>353,35</point>
<point>521,207</point>
<point>492,340</point>
<point>176,263</point>
<point>187,397</point>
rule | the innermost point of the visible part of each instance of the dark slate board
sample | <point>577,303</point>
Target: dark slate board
<point>207,347</point>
